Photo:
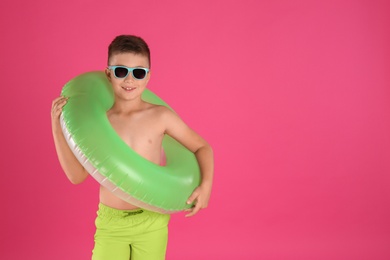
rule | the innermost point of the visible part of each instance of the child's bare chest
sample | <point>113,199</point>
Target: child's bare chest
<point>141,133</point>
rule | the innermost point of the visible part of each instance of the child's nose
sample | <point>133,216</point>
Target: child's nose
<point>129,78</point>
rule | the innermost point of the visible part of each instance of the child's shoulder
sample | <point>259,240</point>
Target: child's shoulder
<point>163,114</point>
<point>158,110</point>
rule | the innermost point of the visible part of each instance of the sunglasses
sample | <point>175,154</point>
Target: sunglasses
<point>121,72</point>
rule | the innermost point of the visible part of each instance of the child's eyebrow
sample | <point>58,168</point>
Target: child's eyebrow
<point>130,67</point>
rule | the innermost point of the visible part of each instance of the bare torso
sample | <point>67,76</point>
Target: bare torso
<point>143,131</point>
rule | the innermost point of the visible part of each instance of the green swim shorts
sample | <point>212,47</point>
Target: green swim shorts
<point>130,234</point>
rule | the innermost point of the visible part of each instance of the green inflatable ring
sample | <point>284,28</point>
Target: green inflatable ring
<point>112,162</point>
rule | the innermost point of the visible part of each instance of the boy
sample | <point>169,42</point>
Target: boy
<point>124,231</point>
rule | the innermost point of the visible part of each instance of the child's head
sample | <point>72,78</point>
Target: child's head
<point>128,44</point>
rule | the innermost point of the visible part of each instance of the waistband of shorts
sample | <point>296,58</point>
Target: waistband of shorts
<point>106,210</point>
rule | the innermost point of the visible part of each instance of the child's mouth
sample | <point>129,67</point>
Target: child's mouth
<point>128,88</point>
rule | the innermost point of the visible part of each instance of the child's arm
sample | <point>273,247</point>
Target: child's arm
<point>177,129</point>
<point>69,163</point>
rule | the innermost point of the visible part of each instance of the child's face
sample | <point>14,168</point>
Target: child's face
<point>128,88</point>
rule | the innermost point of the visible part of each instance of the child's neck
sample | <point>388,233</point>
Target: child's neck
<point>127,106</point>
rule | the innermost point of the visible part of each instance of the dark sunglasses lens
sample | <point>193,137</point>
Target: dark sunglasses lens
<point>139,73</point>
<point>120,72</point>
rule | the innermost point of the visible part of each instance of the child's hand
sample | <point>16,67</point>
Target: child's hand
<point>200,196</point>
<point>56,107</point>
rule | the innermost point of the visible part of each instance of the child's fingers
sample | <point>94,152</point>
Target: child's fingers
<point>194,210</point>
<point>57,106</point>
<point>56,100</point>
<point>60,99</point>
<point>192,198</point>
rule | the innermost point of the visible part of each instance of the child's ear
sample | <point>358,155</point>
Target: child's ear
<point>148,76</point>
<point>108,74</point>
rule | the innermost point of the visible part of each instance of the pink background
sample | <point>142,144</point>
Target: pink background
<point>294,96</point>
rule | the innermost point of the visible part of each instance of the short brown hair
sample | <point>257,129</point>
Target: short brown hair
<point>128,43</point>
